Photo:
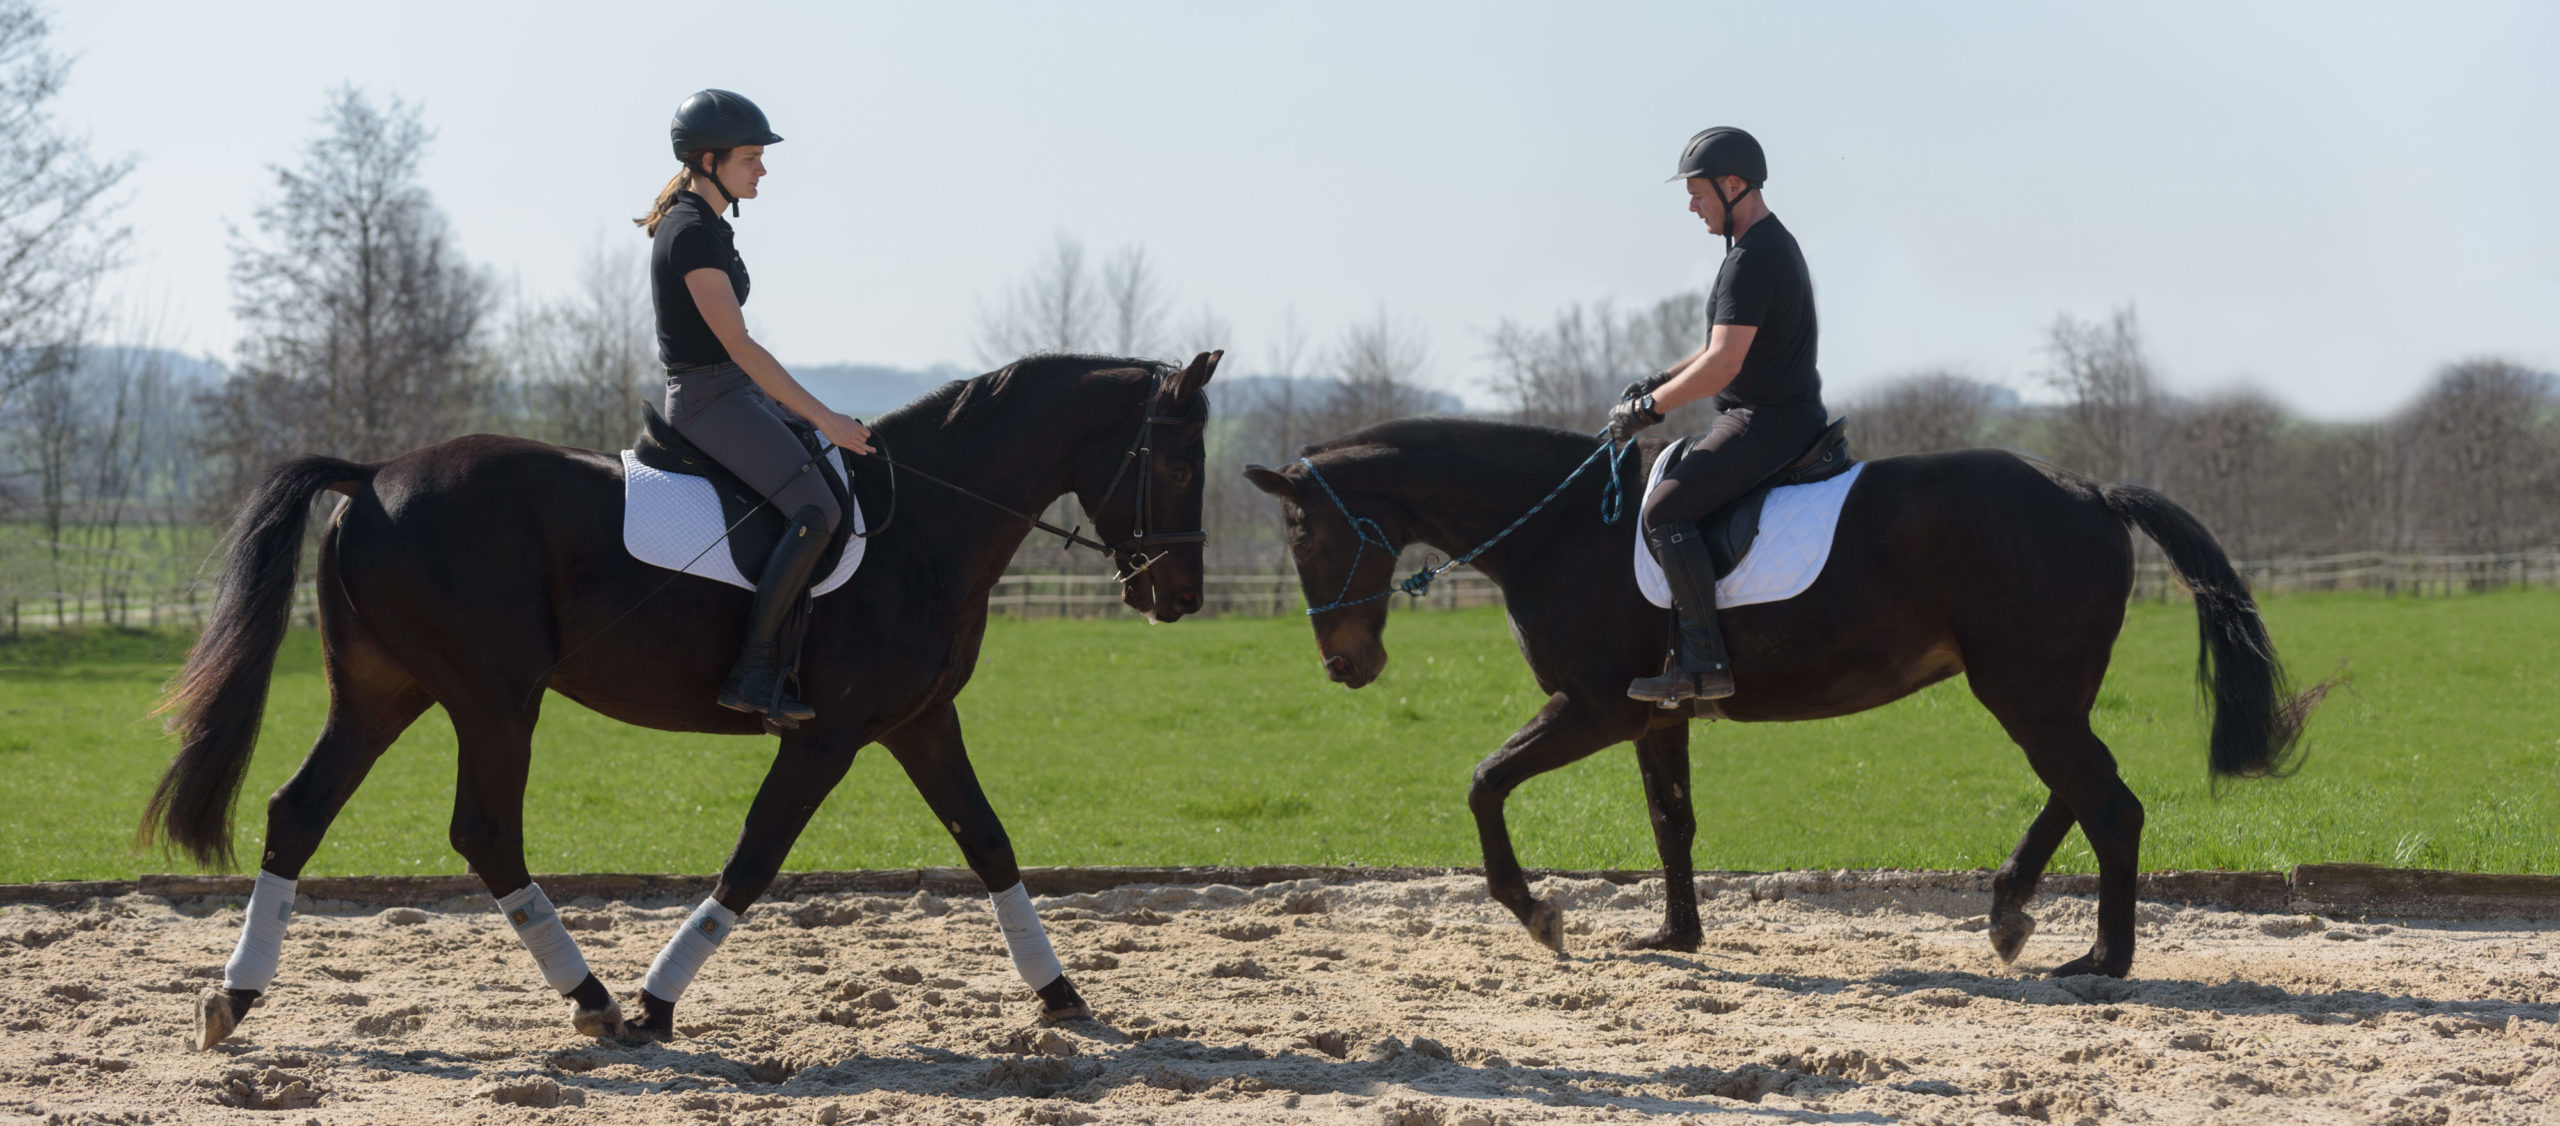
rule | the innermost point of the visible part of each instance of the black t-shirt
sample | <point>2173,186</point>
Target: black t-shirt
<point>1764,284</point>
<point>691,236</point>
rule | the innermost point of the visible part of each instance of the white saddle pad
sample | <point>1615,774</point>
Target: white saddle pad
<point>1796,524</point>
<point>668,519</point>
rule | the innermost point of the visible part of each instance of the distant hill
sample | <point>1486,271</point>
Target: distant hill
<point>869,389</point>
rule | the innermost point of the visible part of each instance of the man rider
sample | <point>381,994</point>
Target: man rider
<point>1758,363</point>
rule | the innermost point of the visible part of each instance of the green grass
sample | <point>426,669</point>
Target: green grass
<point>1111,742</point>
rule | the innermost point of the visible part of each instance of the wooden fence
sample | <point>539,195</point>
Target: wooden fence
<point>144,599</point>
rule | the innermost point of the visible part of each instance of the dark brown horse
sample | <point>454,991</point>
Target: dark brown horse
<point>476,573</point>
<point>2010,571</point>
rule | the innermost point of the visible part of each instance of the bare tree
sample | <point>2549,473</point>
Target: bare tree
<point>1922,413</point>
<point>1377,364</point>
<point>1570,373</point>
<point>360,315</point>
<point>1135,304</point>
<point>2111,410</point>
<point>583,364</point>
<point>2479,457</point>
<point>1057,308</point>
<point>58,233</point>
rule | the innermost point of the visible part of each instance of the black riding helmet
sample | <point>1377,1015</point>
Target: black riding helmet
<point>1725,151</point>
<point>716,121</point>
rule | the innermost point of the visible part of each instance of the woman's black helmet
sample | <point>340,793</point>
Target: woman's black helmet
<point>717,121</point>
<point>1724,151</point>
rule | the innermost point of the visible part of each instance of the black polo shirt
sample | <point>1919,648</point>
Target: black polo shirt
<point>691,236</point>
<point>1764,284</point>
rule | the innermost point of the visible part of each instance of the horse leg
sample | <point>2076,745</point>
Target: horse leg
<point>371,701</point>
<point>2077,767</point>
<point>1559,735</point>
<point>2015,883</point>
<point>1662,755</point>
<point>931,751</point>
<point>496,744</point>
<point>805,770</point>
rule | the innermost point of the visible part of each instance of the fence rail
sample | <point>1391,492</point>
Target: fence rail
<point>145,599</point>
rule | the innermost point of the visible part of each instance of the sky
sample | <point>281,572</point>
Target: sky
<point>2324,202</point>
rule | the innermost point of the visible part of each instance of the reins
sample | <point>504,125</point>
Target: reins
<point>1612,506</point>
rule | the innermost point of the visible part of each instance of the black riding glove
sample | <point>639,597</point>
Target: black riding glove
<point>1632,417</point>
<point>1646,386</point>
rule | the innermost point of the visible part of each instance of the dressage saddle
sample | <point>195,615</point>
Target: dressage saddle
<point>660,447</point>
<point>1729,530</point>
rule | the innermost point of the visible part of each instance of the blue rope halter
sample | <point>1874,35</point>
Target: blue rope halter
<point>1612,505</point>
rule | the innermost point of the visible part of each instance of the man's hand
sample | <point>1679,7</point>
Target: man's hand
<point>1632,417</point>
<point>1646,386</point>
<point>847,432</point>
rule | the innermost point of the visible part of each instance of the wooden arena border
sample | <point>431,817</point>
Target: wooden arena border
<point>2342,891</point>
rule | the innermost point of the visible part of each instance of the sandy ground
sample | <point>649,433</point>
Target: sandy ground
<point>1402,1003</point>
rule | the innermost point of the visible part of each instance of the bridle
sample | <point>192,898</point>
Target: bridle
<point>1130,555</point>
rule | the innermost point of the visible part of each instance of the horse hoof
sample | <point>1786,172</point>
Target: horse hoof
<point>2088,965</point>
<point>1546,924</point>
<point>2009,934</point>
<point>215,1019</point>
<point>603,1024</point>
<point>1060,1003</point>
<point>657,1021</point>
<point>1684,941</point>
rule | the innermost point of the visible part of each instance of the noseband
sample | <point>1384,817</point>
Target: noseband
<point>1130,554</point>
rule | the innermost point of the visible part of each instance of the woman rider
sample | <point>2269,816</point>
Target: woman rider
<point>725,393</point>
<point>1758,363</point>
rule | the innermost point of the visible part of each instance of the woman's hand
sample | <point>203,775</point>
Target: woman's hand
<point>845,431</point>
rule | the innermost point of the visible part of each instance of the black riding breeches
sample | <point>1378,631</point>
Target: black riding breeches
<point>721,410</point>
<point>1742,449</point>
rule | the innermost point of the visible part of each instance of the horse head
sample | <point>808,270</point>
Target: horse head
<point>1145,496</point>
<point>1345,544</point>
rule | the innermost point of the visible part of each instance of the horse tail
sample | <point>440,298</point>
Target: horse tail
<point>219,699</point>
<point>2256,714</point>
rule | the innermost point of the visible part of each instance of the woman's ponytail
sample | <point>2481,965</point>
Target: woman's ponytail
<point>666,202</point>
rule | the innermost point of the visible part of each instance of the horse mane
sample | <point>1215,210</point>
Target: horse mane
<point>965,402</point>
<point>1517,448</point>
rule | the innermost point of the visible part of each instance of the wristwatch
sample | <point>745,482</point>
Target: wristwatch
<point>1645,404</point>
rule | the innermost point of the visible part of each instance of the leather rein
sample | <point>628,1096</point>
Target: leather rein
<point>1129,556</point>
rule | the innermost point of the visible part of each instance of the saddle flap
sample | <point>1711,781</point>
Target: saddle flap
<point>660,446</point>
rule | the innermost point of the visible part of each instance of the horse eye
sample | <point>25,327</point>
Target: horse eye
<point>1181,474</point>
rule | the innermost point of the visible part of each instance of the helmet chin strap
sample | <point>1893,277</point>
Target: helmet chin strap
<point>1727,204</point>
<point>714,176</point>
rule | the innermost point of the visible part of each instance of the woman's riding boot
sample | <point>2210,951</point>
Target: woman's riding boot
<point>756,683</point>
<point>1697,670</point>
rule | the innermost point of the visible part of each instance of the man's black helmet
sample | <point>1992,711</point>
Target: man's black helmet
<point>1724,151</point>
<point>717,121</point>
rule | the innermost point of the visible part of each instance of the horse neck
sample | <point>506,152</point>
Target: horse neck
<point>1022,456</point>
<point>1459,497</point>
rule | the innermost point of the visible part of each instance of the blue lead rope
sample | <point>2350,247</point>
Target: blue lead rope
<point>1612,506</point>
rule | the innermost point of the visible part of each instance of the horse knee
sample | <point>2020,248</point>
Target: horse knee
<point>482,840</point>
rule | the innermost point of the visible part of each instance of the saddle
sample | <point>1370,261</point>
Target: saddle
<point>1729,530</point>
<point>660,447</point>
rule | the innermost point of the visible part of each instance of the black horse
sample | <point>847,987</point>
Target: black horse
<point>2008,570</point>
<point>475,573</point>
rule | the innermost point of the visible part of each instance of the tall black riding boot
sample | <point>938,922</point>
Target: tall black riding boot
<point>755,683</point>
<point>1697,670</point>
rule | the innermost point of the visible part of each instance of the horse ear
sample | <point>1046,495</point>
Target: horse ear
<point>1270,482</point>
<point>1191,379</point>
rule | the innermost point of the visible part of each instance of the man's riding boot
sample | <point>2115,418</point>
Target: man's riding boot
<point>756,681</point>
<point>1697,670</point>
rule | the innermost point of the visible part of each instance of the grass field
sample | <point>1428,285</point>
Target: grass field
<point>1219,742</point>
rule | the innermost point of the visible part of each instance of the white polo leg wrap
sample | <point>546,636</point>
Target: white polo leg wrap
<point>253,962</point>
<point>538,926</point>
<point>703,932</point>
<point>1023,938</point>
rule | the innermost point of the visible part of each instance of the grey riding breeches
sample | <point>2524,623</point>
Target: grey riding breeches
<point>721,410</point>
